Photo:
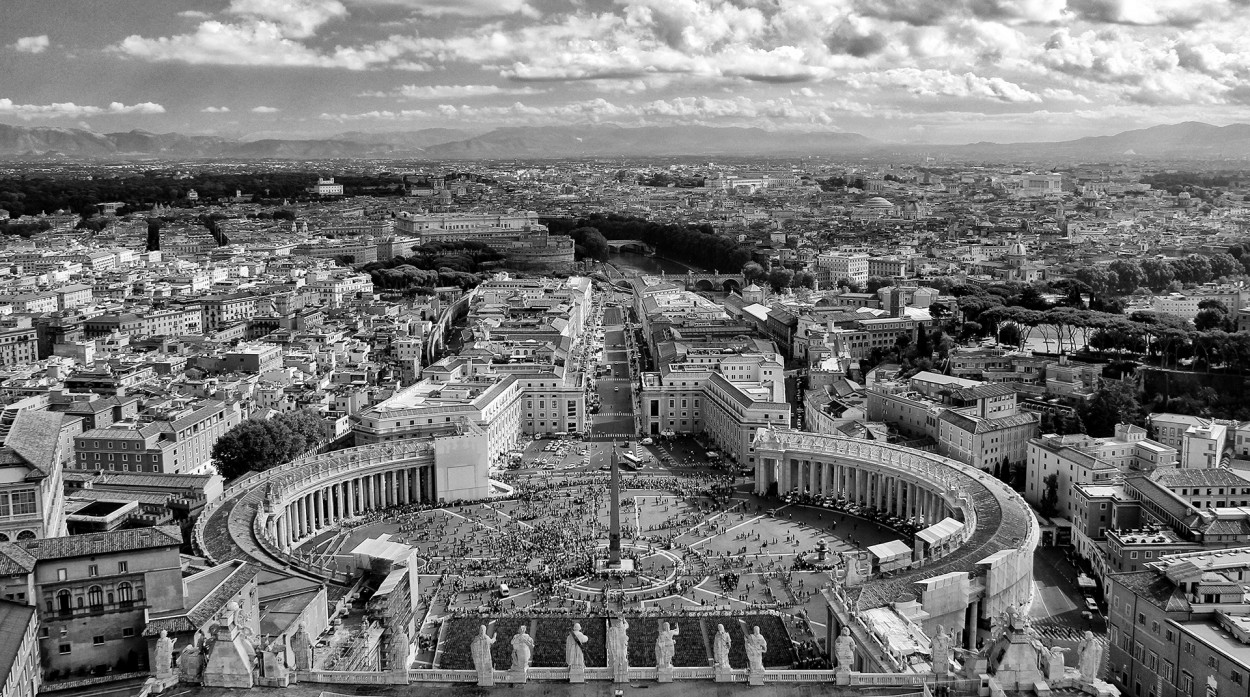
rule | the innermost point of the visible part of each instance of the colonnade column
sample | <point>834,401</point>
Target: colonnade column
<point>826,474</point>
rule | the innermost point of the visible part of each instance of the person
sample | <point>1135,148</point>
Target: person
<point>756,646</point>
<point>720,647</point>
<point>480,651</point>
<point>573,645</point>
<point>666,646</point>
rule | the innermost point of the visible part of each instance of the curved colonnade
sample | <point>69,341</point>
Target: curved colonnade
<point>977,574</point>
<point>266,518</point>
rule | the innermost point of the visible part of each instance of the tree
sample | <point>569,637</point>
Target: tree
<point>1210,318</point>
<point>589,243</point>
<point>924,349</point>
<point>804,279</point>
<point>258,444</point>
<point>1010,335</point>
<point>752,272</point>
<point>1049,504</point>
<point>1115,402</point>
<point>154,234</point>
<point>876,283</point>
<point>780,279</point>
<point>851,285</point>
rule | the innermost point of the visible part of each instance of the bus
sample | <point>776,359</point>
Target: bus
<point>631,462</point>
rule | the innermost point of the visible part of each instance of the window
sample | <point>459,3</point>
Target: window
<point>93,570</point>
<point>62,574</point>
<point>95,596</point>
<point>1213,662</point>
<point>1167,671</point>
<point>122,567</point>
<point>63,648</point>
<point>97,640</point>
<point>128,631</point>
<point>1187,683</point>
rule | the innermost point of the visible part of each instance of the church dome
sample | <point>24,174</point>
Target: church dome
<point>1017,250</point>
<point>878,202</point>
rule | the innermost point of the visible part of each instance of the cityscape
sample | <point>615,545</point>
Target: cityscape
<point>405,347</point>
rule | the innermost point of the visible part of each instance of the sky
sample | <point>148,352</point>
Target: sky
<point>917,71</point>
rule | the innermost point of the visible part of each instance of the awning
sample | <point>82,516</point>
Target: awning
<point>890,551</point>
<point>941,531</point>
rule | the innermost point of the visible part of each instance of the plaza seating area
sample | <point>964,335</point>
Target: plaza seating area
<point>693,645</point>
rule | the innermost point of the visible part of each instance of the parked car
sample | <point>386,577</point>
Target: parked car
<point>1091,604</point>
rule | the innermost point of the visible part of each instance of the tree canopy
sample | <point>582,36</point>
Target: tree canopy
<point>256,445</point>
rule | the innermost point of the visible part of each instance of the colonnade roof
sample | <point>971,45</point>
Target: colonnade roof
<point>1003,518</point>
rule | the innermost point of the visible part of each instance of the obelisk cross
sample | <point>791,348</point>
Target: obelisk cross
<point>614,532</point>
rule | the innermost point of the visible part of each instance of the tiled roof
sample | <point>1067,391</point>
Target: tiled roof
<point>36,435</point>
<point>102,542</point>
<point>15,560</point>
<point>1154,588</point>
<point>15,618</point>
<point>1172,477</point>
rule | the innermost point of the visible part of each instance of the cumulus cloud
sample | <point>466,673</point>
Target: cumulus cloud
<point>464,8</point>
<point>265,110</point>
<point>72,110</point>
<point>216,110</point>
<point>451,91</point>
<point>31,44</point>
<point>299,19</point>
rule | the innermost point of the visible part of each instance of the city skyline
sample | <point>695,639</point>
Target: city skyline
<point>894,71</point>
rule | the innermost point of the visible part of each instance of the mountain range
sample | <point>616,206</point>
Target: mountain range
<point>1189,140</point>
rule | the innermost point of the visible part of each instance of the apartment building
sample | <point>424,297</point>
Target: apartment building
<point>832,267</point>
<point>1180,627</point>
<point>1081,459</point>
<point>93,592</point>
<point>173,437</point>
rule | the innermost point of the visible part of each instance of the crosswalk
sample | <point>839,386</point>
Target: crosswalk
<point>615,413</point>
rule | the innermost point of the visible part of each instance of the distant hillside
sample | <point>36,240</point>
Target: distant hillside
<point>1190,140</point>
<point>650,141</point>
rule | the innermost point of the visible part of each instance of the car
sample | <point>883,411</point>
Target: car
<point>504,590</point>
<point>616,389</point>
<point>646,441</point>
<point>1091,604</point>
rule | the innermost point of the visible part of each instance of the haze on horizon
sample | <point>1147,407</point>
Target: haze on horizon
<point>895,70</point>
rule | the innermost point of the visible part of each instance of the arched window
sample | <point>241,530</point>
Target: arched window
<point>63,602</point>
<point>95,596</point>
<point>26,535</point>
<point>139,594</point>
<point>4,537</point>
<point>125,593</point>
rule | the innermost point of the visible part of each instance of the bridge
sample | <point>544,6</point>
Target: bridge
<point>727,282</point>
<point>635,246</point>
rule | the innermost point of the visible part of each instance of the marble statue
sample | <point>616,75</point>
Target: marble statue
<point>720,647</point>
<point>618,645</point>
<point>756,646</point>
<point>479,649</point>
<point>665,646</point>
<point>190,663</point>
<point>401,650</point>
<point>573,645</point>
<point>844,650</point>
<point>940,651</point>
<point>1054,663</point>
<point>163,658</point>
<point>1089,657</point>
<point>301,646</point>
<point>522,650</point>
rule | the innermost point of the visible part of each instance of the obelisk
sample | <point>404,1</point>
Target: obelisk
<point>614,532</point>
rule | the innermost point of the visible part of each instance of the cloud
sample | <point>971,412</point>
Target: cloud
<point>462,8</point>
<point>265,110</point>
<point>31,44</point>
<point>194,14</point>
<point>299,19</point>
<point>451,91</point>
<point>216,110</point>
<point>72,110</point>
<point>257,43</point>
<point>940,83</point>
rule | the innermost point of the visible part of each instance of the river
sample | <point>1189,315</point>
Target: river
<point>629,262</point>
